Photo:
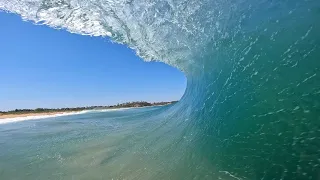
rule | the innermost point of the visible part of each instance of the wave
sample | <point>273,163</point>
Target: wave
<point>251,107</point>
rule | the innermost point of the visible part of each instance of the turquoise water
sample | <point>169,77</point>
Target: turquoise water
<point>251,109</point>
<point>96,145</point>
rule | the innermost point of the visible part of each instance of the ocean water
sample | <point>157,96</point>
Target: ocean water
<point>251,109</point>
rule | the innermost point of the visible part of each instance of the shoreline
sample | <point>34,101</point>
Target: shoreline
<point>34,114</point>
<point>17,117</point>
<point>10,118</point>
<point>70,110</point>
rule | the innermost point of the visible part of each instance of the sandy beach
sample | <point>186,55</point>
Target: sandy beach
<point>6,116</point>
<point>22,116</point>
<point>10,118</point>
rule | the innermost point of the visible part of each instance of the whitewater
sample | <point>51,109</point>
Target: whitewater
<point>251,109</point>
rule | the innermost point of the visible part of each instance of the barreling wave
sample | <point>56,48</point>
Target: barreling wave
<point>252,105</point>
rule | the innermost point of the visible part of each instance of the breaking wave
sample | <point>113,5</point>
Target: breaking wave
<point>251,109</point>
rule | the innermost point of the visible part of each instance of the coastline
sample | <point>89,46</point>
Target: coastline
<point>17,117</point>
<point>11,118</point>
<point>43,113</point>
<point>33,114</point>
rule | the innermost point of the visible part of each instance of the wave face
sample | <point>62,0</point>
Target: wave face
<point>251,109</point>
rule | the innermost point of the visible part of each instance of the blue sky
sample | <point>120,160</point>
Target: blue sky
<point>44,67</point>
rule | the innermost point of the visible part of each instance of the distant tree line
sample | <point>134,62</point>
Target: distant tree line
<point>122,105</point>
<point>141,104</point>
